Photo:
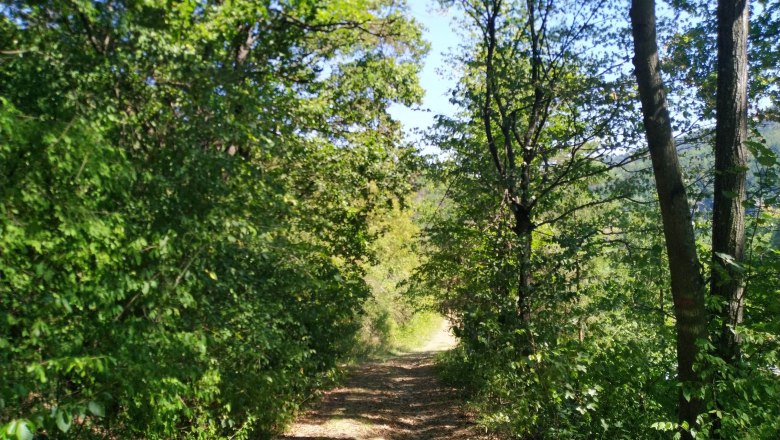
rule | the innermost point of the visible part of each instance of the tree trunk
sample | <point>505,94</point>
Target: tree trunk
<point>525,279</point>
<point>728,225</point>
<point>687,283</point>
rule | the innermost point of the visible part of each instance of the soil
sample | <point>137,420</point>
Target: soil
<point>398,399</point>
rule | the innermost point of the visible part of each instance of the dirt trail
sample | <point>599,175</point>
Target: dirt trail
<point>397,399</point>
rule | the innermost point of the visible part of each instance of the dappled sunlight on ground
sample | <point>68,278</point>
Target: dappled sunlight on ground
<point>398,399</point>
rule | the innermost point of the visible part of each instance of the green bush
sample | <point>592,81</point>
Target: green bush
<point>185,194</point>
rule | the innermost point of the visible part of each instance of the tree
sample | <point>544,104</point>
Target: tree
<point>728,222</point>
<point>728,234</point>
<point>687,283</point>
<point>545,112</point>
<point>603,333</point>
<point>185,196</point>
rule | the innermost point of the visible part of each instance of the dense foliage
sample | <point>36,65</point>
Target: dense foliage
<point>594,355</point>
<point>393,321</point>
<point>186,189</point>
<point>205,207</point>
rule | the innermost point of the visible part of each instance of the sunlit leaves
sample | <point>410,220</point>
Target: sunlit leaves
<point>185,206</point>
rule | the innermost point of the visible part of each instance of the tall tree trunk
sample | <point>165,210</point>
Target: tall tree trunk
<point>687,283</point>
<point>525,284</point>
<point>728,226</point>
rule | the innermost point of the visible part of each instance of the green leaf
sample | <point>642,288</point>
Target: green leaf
<point>729,260</point>
<point>763,154</point>
<point>23,431</point>
<point>663,426</point>
<point>766,160</point>
<point>10,428</point>
<point>96,408</point>
<point>63,420</point>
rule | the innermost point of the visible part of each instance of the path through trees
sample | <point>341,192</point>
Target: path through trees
<point>398,399</point>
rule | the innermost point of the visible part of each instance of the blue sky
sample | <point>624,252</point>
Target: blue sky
<point>442,39</point>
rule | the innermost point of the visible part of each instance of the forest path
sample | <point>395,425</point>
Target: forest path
<point>398,399</point>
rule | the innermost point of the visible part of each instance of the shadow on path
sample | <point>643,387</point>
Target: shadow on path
<point>398,399</point>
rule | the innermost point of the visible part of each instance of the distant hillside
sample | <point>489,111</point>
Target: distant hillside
<point>698,161</point>
<point>771,132</point>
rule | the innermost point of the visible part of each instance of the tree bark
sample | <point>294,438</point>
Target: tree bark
<point>525,280</point>
<point>728,225</point>
<point>687,283</point>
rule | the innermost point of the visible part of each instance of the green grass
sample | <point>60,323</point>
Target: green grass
<point>417,331</point>
<point>383,335</point>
